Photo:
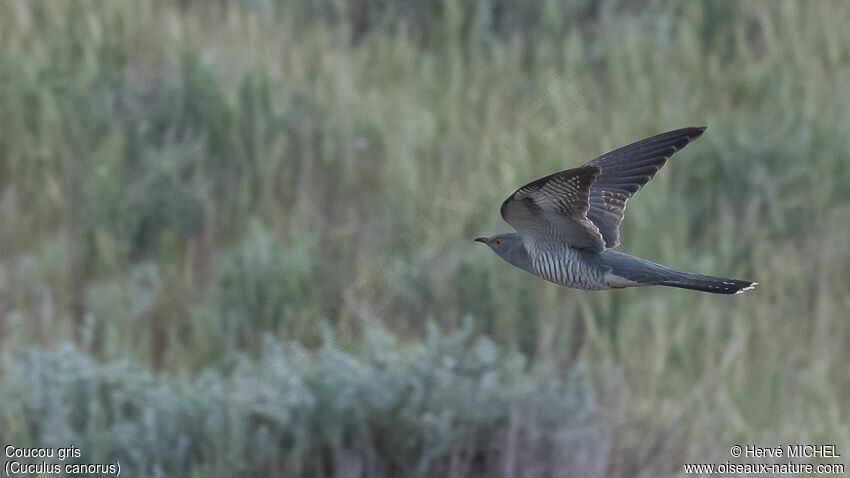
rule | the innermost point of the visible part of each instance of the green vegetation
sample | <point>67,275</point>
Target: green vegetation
<point>235,237</point>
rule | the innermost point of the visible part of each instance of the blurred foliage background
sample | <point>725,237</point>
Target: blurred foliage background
<point>235,236</point>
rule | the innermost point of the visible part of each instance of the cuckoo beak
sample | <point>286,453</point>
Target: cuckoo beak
<point>482,239</point>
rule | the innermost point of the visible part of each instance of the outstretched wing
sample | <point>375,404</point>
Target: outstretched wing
<point>624,171</point>
<point>554,209</point>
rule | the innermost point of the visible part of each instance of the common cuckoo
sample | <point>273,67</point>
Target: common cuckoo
<point>568,223</point>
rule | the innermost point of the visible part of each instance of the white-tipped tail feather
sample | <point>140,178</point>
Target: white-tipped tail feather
<point>634,269</point>
<point>750,287</point>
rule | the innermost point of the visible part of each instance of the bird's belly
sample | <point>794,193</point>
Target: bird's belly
<point>566,266</point>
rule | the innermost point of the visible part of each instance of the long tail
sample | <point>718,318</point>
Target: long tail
<point>643,272</point>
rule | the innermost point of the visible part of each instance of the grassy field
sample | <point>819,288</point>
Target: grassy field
<point>236,237</point>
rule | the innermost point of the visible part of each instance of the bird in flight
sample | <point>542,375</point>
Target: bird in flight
<point>568,223</point>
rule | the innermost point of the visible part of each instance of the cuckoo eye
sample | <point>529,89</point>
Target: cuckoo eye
<point>498,242</point>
